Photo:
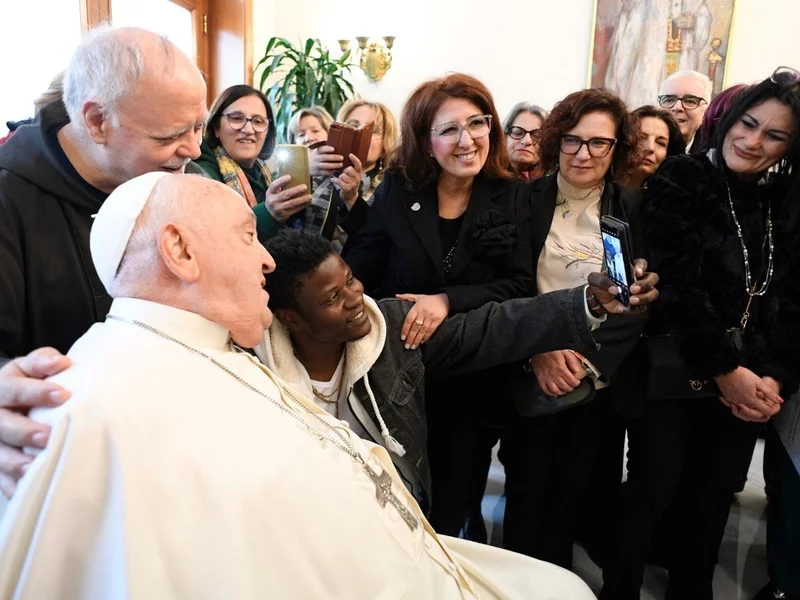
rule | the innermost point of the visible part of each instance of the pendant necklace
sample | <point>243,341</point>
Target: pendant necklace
<point>751,288</point>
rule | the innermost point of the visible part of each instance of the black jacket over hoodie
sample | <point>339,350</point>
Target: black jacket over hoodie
<point>50,293</point>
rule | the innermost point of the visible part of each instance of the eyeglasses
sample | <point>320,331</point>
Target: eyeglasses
<point>238,121</point>
<point>477,126</point>
<point>598,147</point>
<point>785,76</point>
<point>376,132</point>
<point>688,101</point>
<point>517,133</point>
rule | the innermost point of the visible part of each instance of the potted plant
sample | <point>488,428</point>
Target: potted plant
<point>307,76</point>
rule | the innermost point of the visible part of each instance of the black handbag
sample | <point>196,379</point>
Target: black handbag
<point>668,375</point>
<point>531,401</point>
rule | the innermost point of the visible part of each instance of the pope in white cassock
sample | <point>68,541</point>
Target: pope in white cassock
<point>184,468</point>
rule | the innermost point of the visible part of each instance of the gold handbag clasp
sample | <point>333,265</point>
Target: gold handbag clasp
<point>696,384</point>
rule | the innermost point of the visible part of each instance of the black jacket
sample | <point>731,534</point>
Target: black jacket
<point>617,337</point>
<point>692,243</point>
<point>463,343</point>
<point>399,249</point>
<point>49,291</point>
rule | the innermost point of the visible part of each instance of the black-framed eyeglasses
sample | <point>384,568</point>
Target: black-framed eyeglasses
<point>785,76</point>
<point>477,126</point>
<point>517,133</point>
<point>237,121</point>
<point>598,147</point>
<point>688,101</point>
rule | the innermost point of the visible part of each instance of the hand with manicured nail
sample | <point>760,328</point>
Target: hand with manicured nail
<point>22,388</point>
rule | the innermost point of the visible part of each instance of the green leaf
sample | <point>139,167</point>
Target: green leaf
<point>307,76</point>
<point>270,45</point>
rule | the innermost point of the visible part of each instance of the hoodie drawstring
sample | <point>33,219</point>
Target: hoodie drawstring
<point>391,444</point>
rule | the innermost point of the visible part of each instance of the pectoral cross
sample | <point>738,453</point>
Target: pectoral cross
<point>384,494</point>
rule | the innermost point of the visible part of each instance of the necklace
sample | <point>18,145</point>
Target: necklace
<point>751,288</point>
<point>382,481</point>
<point>333,397</point>
<point>448,260</point>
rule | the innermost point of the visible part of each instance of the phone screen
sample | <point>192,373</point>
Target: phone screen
<point>615,262</point>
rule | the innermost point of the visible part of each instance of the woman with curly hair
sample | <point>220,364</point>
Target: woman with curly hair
<point>548,458</point>
<point>440,233</point>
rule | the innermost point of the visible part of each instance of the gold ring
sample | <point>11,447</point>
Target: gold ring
<point>419,323</point>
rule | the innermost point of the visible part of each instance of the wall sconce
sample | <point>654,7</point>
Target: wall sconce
<point>375,58</point>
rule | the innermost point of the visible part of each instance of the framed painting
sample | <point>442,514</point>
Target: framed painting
<point>636,44</point>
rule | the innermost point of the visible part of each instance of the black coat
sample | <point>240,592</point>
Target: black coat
<point>399,248</point>
<point>692,243</point>
<point>49,290</point>
<point>619,334</point>
<point>463,343</point>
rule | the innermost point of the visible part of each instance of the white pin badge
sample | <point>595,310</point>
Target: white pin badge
<point>415,207</point>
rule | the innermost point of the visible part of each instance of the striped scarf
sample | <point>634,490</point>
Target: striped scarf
<point>233,175</point>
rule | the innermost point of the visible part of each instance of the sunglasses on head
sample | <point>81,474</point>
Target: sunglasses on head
<point>785,76</point>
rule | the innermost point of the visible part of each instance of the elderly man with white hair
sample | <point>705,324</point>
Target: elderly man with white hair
<point>184,468</point>
<point>135,104</point>
<point>686,95</point>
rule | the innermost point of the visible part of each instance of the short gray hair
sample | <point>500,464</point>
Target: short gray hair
<point>523,107</point>
<point>107,66</point>
<point>708,85</point>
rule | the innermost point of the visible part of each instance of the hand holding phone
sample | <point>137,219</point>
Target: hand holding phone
<point>348,140</point>
<point>617,256</point>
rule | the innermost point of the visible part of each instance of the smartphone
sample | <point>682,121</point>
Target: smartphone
<point>347,140</point>
<point>292,159</point>
<point>617,256</point>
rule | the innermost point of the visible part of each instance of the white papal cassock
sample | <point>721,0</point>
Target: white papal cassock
<point>165,477</point>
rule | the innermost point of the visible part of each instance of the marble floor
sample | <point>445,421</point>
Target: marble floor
<point>742,568</point>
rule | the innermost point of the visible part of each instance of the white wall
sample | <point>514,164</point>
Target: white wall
<point>38,39</point>
<point>765,35</point>
<point>536,50</point>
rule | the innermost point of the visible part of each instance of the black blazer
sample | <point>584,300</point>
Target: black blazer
<point>619,334</point>
<point>399,249</point>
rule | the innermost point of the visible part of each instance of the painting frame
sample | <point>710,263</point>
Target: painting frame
<point>598,70</point>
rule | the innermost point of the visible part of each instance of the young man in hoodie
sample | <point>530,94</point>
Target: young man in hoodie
<point>343,350</point>
<point>134,104</point>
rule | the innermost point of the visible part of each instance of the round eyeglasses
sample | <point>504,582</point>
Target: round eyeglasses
<point>237,121</point>
<point>517,133</point>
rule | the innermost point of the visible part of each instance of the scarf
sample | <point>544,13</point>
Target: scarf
<point>233,175</point>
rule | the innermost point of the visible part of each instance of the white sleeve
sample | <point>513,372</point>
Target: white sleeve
<point>55,540</point>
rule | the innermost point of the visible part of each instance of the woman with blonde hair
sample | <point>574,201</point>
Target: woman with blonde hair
<point>358,112</point>
<point>336,207</point>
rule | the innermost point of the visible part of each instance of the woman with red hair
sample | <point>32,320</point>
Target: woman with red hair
<point>441,233</point>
